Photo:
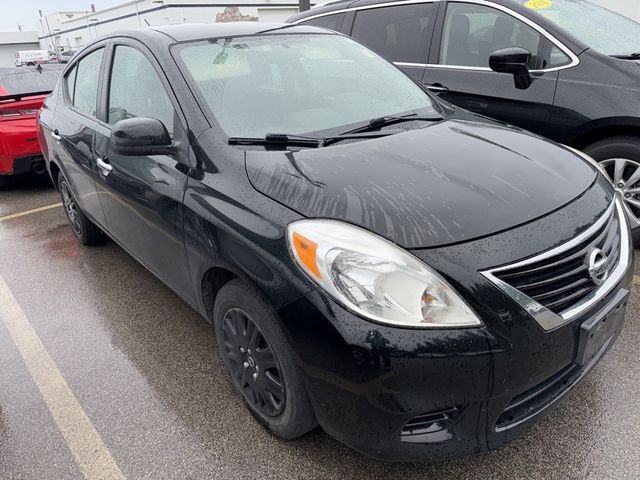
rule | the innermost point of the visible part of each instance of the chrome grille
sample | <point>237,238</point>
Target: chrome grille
<point>563,280</point>
<point>558,285</point>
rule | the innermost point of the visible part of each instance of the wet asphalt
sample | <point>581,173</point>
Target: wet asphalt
<point>145,369</point>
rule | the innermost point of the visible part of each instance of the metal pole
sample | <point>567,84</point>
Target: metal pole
<point>53,40</point>
<point>88,26</point>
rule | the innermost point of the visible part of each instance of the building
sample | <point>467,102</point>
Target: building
<point>11,42</point>
<point>72,30</point>
<point>628,8</point>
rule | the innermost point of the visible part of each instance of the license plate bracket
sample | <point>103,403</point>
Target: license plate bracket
<point>600,329</point>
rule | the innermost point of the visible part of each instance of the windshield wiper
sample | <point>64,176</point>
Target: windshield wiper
<point>278,139</point>
<point>379,122</point>
<point>628,56</point>
<point>283,139</point>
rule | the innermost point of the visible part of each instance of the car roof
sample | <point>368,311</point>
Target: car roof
<point>196,31</point>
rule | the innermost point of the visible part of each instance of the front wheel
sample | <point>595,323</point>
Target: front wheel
<point>83,228</point>
<point>620,157</point>
<point>260,361</point>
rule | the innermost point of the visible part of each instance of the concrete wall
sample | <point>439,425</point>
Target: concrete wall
<point>629,8</point>
<point>72,30</point>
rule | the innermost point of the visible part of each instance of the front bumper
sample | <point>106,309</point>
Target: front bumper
<point>431,394</point>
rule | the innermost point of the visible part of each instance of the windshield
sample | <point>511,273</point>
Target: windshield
<point>599,28</point>
<point>297,84</point>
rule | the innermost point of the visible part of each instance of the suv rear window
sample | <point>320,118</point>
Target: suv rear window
<point>332,22</point>
<point>397,33</point>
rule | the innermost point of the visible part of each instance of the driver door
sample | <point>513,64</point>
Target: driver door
<point>466,36</point>
<point>142,195</point>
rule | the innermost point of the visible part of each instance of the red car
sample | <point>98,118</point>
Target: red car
<point>22,93</point>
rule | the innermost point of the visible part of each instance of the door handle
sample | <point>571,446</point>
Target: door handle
<point>437,87</point>
<point>55,136</point>
<point>105,167</point>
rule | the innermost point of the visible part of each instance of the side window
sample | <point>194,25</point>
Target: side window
<point>84,94</point>
<point>556,58</point>
<point>332,22</point>
<point>473,32</point>
<point>397,33</point>
<point>135,89</point>
<point>70,82</point>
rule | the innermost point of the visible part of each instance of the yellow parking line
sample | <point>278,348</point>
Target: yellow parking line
<point>29,212</point>
<point>86,446</point>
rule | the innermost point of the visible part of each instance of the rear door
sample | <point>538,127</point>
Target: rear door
<point>142,195</point>
<point>466,35</point>
<point>400,33</point>
<point>73,130</point>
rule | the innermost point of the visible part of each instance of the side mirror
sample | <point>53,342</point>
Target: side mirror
<point>140,137</point>
<point>514,61</point>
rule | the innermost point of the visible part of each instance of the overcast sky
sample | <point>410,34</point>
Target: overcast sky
<point>25,12</point>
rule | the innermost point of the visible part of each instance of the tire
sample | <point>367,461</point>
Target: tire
<point>237,305</point>
<point>622,151</point>
<point>4,181</point>
<point>84,229</point>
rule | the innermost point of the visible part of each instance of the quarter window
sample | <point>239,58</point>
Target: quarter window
<point>332,22</point>
<point>82,83</point>
<point>397,33</point>
<point>136,90</point>
<point>473,32</point>
<point>557,58</point>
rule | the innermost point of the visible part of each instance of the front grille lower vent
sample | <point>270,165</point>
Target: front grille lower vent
<point>558,282</point>
<point>532,401</point>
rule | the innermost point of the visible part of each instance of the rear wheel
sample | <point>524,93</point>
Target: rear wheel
<point>260,361</point>
<point>83,228</point>
<point>4,181</point>
<point>620,157</point>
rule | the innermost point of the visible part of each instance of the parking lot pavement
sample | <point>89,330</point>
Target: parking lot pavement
<point>139,369</point>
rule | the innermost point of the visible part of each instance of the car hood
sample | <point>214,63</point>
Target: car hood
<point>446,183</point>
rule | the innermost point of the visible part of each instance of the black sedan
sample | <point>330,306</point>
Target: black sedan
<point>576,66</point>
<point>419,281</point>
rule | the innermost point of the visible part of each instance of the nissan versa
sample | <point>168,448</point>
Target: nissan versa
<point>419,281</point>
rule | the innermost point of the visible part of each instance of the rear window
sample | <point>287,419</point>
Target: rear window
<point>332,22</point>
<point>26,80</point>
<point>399,33</point>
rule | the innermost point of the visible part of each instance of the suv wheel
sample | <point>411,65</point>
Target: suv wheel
<point>620,157</point>
<point>260,361</point>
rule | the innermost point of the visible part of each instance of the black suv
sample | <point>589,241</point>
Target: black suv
<point>577,67</point>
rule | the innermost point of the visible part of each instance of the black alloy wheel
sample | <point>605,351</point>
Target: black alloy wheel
<point>253,363</point>
<point>260,360</point>
<point>84,229</point>
<point>71,209</point>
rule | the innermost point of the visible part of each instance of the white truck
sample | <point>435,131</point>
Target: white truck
<point>33,57</point>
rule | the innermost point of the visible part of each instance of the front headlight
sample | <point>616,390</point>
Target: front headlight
<point>374,277</point>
